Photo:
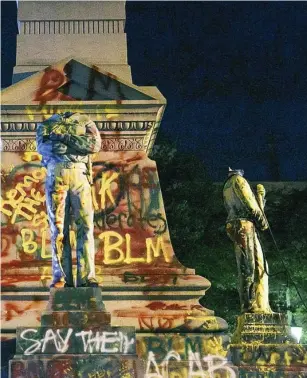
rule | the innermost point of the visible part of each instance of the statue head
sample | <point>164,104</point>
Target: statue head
<point>235,172</point>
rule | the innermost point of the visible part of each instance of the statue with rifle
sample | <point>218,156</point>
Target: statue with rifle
<point>245,219</point>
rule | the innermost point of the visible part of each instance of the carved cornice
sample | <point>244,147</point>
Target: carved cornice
<point>20,127</point>
<point>108,144</point>
<point>122,144</point>
<point>13,145</point>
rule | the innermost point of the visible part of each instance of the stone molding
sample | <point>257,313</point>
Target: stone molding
<point>114,26</point>
<point>17,127</point>
<point>108,144</point>
<point>13,145</point>
<point>122,144</point>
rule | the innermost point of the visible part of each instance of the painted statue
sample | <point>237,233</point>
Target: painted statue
<point>66,142</point>
<point>245,219</point>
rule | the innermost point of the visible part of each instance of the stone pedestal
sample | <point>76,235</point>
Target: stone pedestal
<point>75,340</point>
<point>263,348</point>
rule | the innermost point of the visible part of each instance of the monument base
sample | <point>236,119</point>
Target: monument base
<point>263,348</point>
<point>75,340</point>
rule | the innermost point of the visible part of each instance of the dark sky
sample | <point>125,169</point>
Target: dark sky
<point>234,75</point>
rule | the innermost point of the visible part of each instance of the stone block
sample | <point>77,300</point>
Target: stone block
<point>103,340</point>
<point>75,318</point>
<point>85,366</point>
<point>70,299</point>
<point>262,328</point>
<point>262,347</point>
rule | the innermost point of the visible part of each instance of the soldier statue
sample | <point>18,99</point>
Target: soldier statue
<point>66,142</point>
<point>245,219</point>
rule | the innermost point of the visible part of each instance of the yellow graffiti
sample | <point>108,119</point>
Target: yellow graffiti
<point>105,190</point>
<point>40,220</point>
<point>114,253</point>
<point>28,243</point>
<point>18,202</point>
<point>129,259</point>
<point>47,111</point>
<point>45,275</point>
<point>98,374</point>
<point>31,156</point>
<point>95,203</point>
<point>110,248</point>
<point>160,246</point>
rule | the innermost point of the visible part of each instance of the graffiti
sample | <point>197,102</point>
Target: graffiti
<point>97,374</point>
<point>198,367</point>
<point>67,340</point>
<point>139,187</point>
<point>119,343</point>
<point>161,345</point>
<point>115,254</point>
<point>61,344</point>
<point>19,202</point>
<point>48,87</point>
<point>107,180</point>
<point>150,279</point>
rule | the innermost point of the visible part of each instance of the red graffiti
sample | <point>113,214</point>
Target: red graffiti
<point>163,306</point>
<point>10,308</point>
<point>48,89</point>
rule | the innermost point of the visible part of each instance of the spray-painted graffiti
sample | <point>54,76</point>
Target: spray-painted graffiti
<point>195,366</point>
<point>48,87</point>
<point>130,224</point>
<point>68,340</point>
<point>90,367</point>
<point>56,84</point>
<point>184,356</point>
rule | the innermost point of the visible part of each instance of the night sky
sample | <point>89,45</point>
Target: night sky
<point>234,75</point>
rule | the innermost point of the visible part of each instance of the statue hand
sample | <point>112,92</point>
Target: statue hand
<point>59,148</point>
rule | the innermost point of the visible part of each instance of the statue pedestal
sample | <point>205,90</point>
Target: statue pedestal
<point>75,340</point>
<point>262,347</point>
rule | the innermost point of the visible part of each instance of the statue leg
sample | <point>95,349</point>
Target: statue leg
<point>261,279</point>
<point>67,253</point>
<point>56,200</point>
<point>81,200</point>
<point>240,233</point>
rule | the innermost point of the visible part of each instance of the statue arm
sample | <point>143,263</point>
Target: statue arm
<point>85,144</point>
<point>247,197</point>
<point>43,144</point>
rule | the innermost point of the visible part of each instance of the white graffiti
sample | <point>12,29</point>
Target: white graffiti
<point>61,344</point>
<point>198,367</point>
<point>98,342</point>
<point>92,342</point>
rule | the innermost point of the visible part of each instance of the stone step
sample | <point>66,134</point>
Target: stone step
<point>102,340</point>
<point>273,372</point>
<point>263,328</point>
<point>265,319</point>
<point>267,355</point>
<point>72,366</point>
<point>74,299</point>
<point>75,318</point>
<point>265,338</point>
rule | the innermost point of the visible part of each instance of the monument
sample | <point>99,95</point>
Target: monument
<point>66,62</point>
<point>262,345</point>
